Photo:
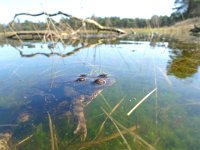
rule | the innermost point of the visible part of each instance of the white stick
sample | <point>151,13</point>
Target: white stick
<point>140,102</point>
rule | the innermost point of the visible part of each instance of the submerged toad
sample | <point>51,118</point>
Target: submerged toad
<point>62,96</point>
<point>4,141</point>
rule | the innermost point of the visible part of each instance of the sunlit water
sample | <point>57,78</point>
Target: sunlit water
<point>168,119</point>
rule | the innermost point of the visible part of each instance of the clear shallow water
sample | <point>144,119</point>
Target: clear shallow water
<point>168,119</point>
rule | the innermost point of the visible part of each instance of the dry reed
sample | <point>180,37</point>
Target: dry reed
<point>112,111</point>
<point>106,102</point>
<point>137,137</point>
<point>24,140</point>
<point>125,141</point>
<point>51,132</point>
<point>10,27</point>
<point>141,101</point>
<point>107,138</point>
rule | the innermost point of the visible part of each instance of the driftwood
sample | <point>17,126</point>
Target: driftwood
<point>28,35</point>
<point>83,21</point>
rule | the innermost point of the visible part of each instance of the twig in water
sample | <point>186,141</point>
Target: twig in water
<point>55,138</point>
<point>24,140</point>
<point>8,125</point>
<point>141,101</point>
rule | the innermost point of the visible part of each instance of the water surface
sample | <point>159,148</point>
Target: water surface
<point>168,119</point>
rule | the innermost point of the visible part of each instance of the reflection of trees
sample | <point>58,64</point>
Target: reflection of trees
<point>74,43</point>
<point>185,59</point>
<point>53,53</point>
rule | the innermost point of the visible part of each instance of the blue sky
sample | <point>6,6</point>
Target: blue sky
<point>87,8</point>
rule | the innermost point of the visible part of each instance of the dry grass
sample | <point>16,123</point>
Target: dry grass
<point>179,31</point>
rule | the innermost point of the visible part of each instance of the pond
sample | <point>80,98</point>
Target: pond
<point>37,79</point>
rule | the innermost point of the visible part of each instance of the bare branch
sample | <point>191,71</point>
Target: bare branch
<point>83,21</point>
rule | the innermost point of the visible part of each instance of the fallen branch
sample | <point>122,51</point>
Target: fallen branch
<point>83,21</point>
<point>141,101</point>
<point>100,27</point>
<point>24,140</point>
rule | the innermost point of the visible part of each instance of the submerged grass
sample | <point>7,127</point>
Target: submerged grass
<point>112,111</point>
<point>125,141</point>
<point>106,139</point>
<point>137,137</point>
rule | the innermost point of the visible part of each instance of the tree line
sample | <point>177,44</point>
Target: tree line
<point>64,23</point>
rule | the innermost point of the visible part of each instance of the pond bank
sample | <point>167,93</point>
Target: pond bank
<point>180,31</point>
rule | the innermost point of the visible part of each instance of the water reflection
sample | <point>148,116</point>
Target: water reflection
<point>77,45</point>
<point>53,53</point>
<point>137,66</point>
<point>185,59</point>
<point>184,56</point>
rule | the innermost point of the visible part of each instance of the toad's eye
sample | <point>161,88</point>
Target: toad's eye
<point>100,81</point>
<point>103,75</point>
<point>80,79</point>
<point>83,75</point>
